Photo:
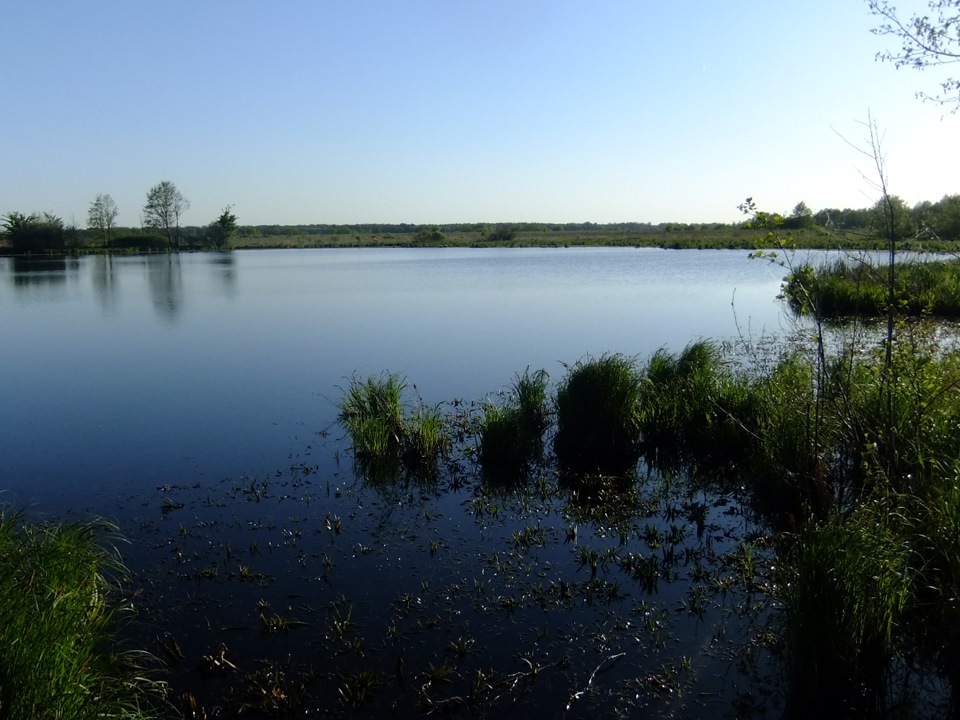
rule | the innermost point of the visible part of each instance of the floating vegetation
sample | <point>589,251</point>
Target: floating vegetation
<point>357,689</point>
<point>274,690</point>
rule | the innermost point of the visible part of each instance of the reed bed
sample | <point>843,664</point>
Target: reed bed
<point>847,288</point>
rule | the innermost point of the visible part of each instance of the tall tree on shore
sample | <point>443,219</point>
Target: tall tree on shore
<point>102,217</point>
<point>163,209</point>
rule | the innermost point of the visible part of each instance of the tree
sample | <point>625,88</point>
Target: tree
<point>165,205</point>
<point>35,232</point>
<point>223,228</point>
<point>892,219</point>
<point>801,217</point>
<point>925,41</point>
<point>102,217</point>
<point>945,219</point>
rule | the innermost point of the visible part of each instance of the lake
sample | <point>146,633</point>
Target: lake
<point>191,398</point>
<point>128,372</point>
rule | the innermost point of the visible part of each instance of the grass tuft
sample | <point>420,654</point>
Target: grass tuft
<point>57,623</point>
<point>386,437</point>
<point>598,416</point>
<point>511,435</point>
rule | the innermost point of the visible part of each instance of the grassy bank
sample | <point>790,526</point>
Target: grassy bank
<point>849,288</point>
<point>679,237</point>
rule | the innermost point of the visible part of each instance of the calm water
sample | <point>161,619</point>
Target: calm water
<point>186,397</point>
<point>129,372</point>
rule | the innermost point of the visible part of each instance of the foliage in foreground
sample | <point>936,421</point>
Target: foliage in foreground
<point>56,625</point>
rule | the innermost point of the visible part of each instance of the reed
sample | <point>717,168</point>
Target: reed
<point>844,288</point>
<point>386,434</point>
<point>510,435</point>
<point>425,439</point>
<point>694,409</point>
<point>372,412</point>
<point>848,582</point>
<point>57,623</point>
<point>598,416</point>
<point>936,544</point>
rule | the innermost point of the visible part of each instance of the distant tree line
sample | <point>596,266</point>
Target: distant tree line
<point>933,220</point>
<point>165,206</point>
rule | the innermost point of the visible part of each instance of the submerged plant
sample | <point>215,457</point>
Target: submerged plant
<point>598,416</point>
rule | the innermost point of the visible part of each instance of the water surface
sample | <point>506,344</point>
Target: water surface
<point>128,372</point>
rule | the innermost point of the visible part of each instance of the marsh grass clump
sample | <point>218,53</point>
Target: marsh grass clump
<point>372,412</point>
<point>849,580</point>
<point>847,288</point>
<point>57,624</point>
<point>386,436</point>
<point>693,409</point>
<point>598,416</point>
<point>425,439</point>
<point>511,435</point>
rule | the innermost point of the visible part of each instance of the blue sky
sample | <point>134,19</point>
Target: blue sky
<point>421,111</point>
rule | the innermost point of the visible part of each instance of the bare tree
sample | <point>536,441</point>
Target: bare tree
<point>925,41</point>
<point>165,205</point>
<point>102,217</point>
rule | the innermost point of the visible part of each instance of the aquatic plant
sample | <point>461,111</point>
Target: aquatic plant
<point>848,581</point>
<point>58,618</point>
<point>598,416</point>
<point>510,436</point>
<point>385,436</point>
<point>425,439</point>
<point>274,690</point>
<point>372,412</point>
<point>859,288</point>
<point>694,410</point>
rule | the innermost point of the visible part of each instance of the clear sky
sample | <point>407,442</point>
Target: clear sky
<point>432,111</point>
